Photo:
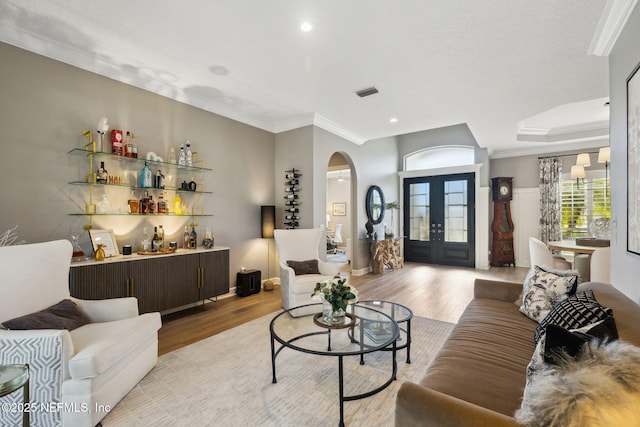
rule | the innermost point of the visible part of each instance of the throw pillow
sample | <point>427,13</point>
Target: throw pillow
<point>599,388</point>
<point>304,267</point>
<point>561,342</point>
<point>558,339</point>
<point>576,311</point>
<point>544,289</point>
<point>63,315</point>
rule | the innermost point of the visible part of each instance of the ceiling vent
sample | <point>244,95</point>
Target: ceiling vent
<point>366,92</point>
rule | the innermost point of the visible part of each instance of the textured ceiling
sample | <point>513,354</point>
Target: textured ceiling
<point>492,64</point>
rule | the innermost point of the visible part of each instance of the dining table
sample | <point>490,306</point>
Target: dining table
<point>571,246</point>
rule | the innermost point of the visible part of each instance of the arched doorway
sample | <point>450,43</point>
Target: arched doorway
<point>340,208</point>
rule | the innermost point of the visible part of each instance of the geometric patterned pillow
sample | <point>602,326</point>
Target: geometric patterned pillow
<point>543,290</point>
<point>574,312</point>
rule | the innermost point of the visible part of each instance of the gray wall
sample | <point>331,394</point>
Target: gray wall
<point>449,135</point>
<point>625,266</point>
<point>44,108</point>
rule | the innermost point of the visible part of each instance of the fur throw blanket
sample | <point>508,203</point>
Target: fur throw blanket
<point>599,388</point>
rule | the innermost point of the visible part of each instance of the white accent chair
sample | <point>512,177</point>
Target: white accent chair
<point>302,245</point>
<point>601,265</point>
<point>85,371</point>
<point>540,255</point>
<point>336,239</point>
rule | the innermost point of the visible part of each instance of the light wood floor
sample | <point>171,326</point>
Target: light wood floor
<point>436,292</point>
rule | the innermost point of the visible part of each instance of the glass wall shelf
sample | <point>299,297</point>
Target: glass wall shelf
<point>134,187</point>
<point>138,161</point>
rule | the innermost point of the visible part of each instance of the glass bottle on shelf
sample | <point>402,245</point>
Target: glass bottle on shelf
<point>104,206</point>
<point>128,147</point>
<point>189,154</point>
<point>151,205</point>
<point>182,157</point>
<point>172,155</point>
<point>193,238</point>
<point>185,241</point>
<point>177,205</point>
<point>161,236</point>
<point>163,206</point>
<point>101,175</point>
<point>155,242</point>
<point>134,146</point>
<point>146,241</point>
<point>146,176</point>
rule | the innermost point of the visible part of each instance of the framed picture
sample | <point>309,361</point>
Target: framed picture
<point>633,162</point>
<point>339,209</point>
<point>106,238</point>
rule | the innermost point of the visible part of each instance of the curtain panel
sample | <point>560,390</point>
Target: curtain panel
<point>550,225</point>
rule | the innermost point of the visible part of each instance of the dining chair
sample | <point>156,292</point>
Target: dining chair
<point>601,265</point>
<point>540,255</point>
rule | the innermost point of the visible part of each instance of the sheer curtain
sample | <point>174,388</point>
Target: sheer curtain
<point>550,226</point>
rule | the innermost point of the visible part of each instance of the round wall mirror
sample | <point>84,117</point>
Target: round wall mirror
<point>375,204</point>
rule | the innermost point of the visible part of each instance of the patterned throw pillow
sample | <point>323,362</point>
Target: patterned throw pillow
<point>543,290</point>
<point>574,312</point>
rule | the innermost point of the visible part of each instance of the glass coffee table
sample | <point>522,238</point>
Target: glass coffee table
<point>400,314</point>
<point>12,378</point>
<point>365,330</point>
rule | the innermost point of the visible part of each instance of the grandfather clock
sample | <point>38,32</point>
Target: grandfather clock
<point>502,225</point>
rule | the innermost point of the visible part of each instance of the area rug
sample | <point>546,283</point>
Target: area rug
<point>225,380</point>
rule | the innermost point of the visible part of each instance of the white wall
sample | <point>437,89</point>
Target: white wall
<point>625,266</point>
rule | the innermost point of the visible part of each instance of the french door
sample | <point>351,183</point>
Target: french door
<point>439,219</point>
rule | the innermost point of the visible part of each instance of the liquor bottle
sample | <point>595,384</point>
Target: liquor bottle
<point>291,196</point>
<point>291,189</point>
<point>292,182</point>
<point>291,217</point>
<point>294,210</point>
<point>134,146</point>
<point>162,205</point>
<point>144,203</point>
<point>128,149</point>
<point>182,157</point>
<point>177,205</point>
<point>155,242</point>
<point>151,205</point>
<point>146,176</point>
<point>161,236</point>
<point>158,180</point>
<point>185,244</point>
<point>292,202</point>
<point>102,175</point>
<point>146,241</point>
<point>189,154</point>
<point>193,238</point>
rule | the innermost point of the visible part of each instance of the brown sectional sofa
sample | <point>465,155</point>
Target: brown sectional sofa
<point>478,377</point>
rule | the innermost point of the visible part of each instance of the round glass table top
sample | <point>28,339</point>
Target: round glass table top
<point>397,312</point>
<point>371,331</point>
<point>12,377</point>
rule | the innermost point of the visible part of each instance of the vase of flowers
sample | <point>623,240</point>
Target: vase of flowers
<point>335,295</point>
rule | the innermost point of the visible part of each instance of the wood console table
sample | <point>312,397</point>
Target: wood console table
<point>386,253</point>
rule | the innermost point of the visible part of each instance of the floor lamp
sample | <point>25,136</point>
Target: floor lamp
<point>268,224</point>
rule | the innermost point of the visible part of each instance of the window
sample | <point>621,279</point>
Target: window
<point>582,202</point>
<point>439,157</point>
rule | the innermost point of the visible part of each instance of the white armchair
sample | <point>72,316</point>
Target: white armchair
<point>86,371</point>
<point>302,245</point>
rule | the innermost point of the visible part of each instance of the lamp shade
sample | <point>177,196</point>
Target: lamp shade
<point>583,160</point>
<point>268,221</point>
<point>604,155</point>
<point>577,171</point>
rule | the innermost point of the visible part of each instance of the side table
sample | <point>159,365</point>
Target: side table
<point>13,377</point>
<point>400,314</point>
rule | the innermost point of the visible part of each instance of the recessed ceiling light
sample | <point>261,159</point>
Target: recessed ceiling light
<point>306,26</point>
<point>393,120</point>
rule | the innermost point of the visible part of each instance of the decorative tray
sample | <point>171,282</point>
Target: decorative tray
<point>349,321</point>
<point>160,252</point>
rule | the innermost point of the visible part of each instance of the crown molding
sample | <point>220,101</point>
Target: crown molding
<point>614,17</point>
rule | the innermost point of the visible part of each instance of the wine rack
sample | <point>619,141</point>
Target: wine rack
<point>292,198</point>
